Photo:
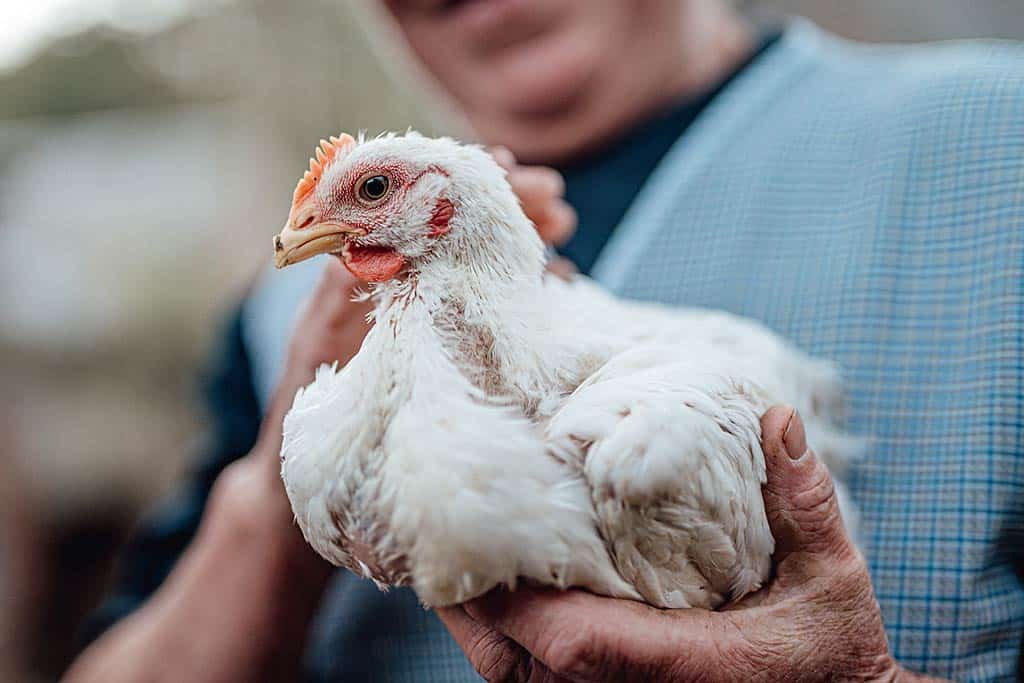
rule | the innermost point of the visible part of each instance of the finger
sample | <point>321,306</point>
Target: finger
<point>537,188</point>
<point>579,635</point>
<point>540,190</point>
<point>562,268</point>
<point>556,223</point>
<point>799,495</point>
<point>493,655</point>
<point>557,629</point>
<point>503,155</point>
<point>536,184</point>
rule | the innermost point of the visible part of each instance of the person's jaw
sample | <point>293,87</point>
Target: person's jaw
<point>580,78</point>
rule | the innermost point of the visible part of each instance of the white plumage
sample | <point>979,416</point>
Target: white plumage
<point>502,424</point>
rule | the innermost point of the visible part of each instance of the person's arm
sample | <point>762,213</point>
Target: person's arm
<point>817,619</point>
<point>234,417</point>
<point>237,604</point>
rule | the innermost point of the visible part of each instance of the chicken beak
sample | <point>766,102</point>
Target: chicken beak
<point>293,245</point>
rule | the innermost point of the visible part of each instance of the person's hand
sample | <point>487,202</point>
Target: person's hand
<point>816,619</point>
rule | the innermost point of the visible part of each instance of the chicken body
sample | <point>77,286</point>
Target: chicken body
<point>499,424</point>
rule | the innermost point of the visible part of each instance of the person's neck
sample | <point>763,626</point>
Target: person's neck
<point>706,46</point>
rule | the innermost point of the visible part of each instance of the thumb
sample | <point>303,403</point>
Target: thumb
<point>799,496</point>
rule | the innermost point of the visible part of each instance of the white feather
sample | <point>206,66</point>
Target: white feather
<point>500,424</point>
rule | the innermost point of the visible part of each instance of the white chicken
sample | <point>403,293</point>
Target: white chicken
<point>501,424</point>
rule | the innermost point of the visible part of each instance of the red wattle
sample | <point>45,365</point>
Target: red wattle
<point>373,264</point>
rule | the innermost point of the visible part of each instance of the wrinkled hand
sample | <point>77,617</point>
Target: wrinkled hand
<point>816,619</point>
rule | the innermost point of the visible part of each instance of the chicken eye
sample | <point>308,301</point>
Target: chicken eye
<point>374,188</point>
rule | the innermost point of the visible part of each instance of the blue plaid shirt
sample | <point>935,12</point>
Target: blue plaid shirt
<point>867,203</point>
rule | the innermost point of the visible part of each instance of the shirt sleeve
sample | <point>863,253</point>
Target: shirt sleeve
<point>234,418</point>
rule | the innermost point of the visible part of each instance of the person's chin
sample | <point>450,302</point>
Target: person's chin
<point>543,76</point>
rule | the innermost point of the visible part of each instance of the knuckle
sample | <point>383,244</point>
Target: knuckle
<point>815,507</point>
<point>552,180</point>
<point>232,497</point>
<point>574,654</point>
<point>570,218</point>
<point>818,487</point>
<point>492,656</point>
<point>234,482</point>
<point>563,215</point>
<point>537,183</point>
<point>503,155</point>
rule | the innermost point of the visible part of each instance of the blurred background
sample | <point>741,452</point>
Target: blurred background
<point>148,151</point>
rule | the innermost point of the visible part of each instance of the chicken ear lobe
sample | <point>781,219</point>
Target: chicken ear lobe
<point>441,218</point>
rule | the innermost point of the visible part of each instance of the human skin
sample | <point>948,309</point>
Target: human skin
<point>556,79</point>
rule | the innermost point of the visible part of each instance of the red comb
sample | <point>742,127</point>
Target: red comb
<point>326,153</point>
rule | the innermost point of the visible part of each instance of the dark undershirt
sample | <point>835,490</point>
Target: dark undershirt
<point>602,186</point>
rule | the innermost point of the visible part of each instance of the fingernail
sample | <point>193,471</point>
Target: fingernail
<point>794,438</point>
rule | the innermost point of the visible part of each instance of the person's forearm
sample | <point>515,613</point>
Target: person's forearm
<point>236,607</point>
